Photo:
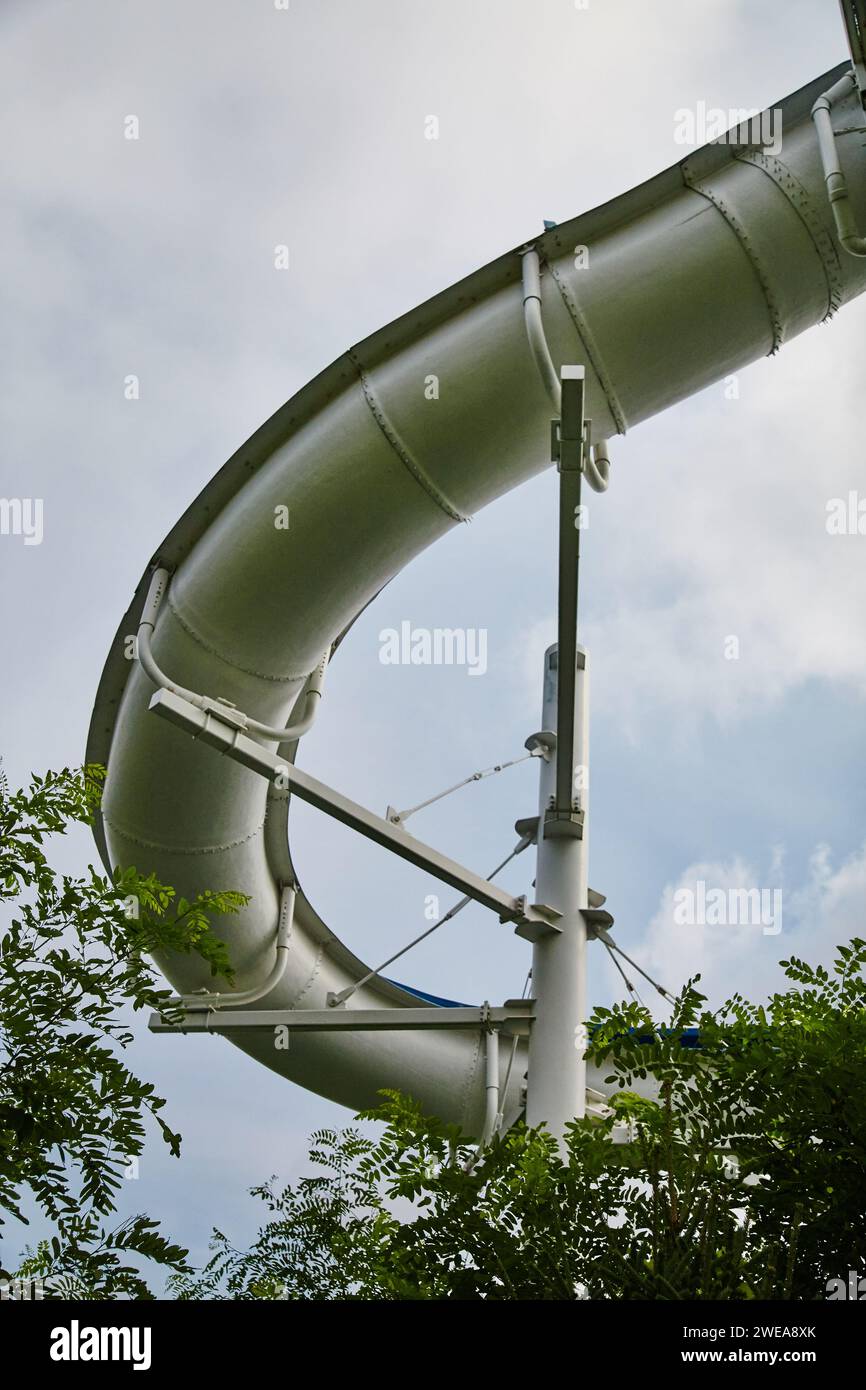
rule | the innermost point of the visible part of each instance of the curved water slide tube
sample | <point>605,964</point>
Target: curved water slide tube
<point>696,273</point>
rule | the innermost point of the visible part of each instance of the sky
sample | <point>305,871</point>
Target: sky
<point>154,257</point>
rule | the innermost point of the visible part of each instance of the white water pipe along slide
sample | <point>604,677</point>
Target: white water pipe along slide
<point>691,276</point>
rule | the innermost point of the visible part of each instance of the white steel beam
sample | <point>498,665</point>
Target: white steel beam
<point>513,1018</point>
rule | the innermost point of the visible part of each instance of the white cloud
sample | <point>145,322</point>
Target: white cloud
<point>822,912</point>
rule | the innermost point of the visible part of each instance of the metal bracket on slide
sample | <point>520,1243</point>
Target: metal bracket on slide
<point>532,919</point>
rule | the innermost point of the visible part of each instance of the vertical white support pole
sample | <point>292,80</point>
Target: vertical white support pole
<point>491,1081</point>
<point>556,1084</point>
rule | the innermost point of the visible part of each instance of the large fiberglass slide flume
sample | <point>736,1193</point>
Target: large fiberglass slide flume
<point>696,273</point>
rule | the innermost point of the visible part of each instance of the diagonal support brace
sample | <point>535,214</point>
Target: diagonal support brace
<point>533,919</point>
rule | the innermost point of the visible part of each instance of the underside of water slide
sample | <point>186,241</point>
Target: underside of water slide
<point>698,272</point>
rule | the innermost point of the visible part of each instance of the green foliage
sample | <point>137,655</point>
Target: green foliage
<point>323,1240</point>
<point>86,1260</point>
<point>792,1075</point>
<point>742,1179</point>
<point>73,956</point>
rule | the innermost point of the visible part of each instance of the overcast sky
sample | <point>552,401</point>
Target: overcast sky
<point>155,257</point>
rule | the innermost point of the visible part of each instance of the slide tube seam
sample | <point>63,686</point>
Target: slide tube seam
<point>591,349</point>
<point>703,188</point>
<point>180,849</point>
<point>411,464</point>
<point>212,650</point>
<point>798,197</point>
<point>305,988</point>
